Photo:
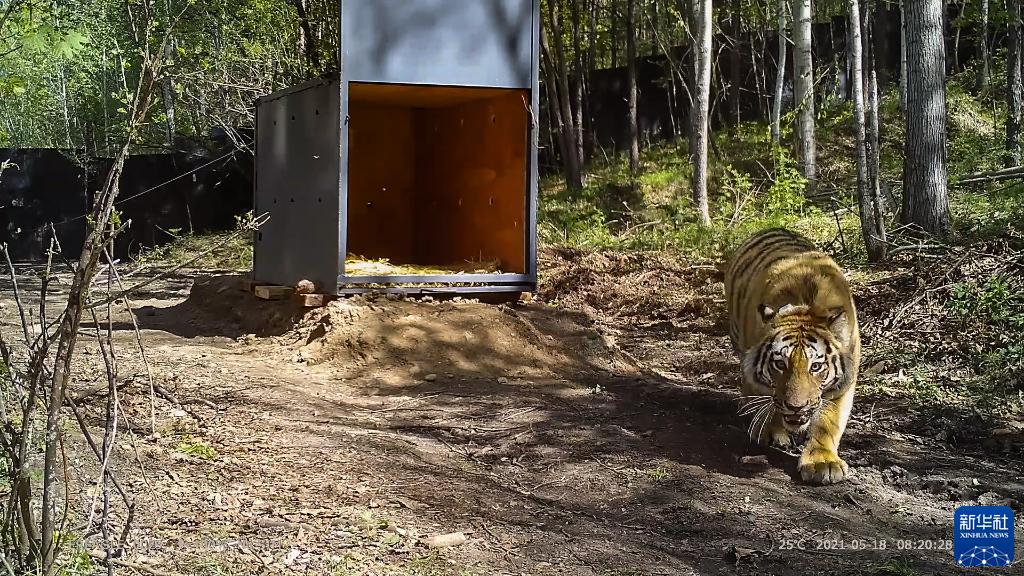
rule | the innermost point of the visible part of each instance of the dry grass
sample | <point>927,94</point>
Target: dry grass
<point>356,265</point>
<point>631,287</point>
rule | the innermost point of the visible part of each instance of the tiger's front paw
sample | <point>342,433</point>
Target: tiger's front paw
<point>822,467</point>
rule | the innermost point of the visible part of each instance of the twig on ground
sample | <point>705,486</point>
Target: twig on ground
<point>620,470</point>
<point>918,248</point>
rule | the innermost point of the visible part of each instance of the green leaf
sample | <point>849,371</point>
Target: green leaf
<point>72,43</point>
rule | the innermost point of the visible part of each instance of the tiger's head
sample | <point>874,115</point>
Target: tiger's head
<point>801,360</point>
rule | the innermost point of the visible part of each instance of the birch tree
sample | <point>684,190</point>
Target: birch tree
<point>803,81</point>
<point>780,76</point>
<point>702,14</point>
<point>866,193</point>
<point>634,128</point>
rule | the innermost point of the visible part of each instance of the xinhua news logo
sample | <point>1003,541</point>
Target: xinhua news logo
<point>983,536</point>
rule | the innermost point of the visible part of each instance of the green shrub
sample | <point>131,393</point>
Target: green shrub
<point>991,311</point>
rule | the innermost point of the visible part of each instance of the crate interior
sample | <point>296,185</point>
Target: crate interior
<point>437,179</point>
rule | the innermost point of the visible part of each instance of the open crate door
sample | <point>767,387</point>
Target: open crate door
<point>437,180</point>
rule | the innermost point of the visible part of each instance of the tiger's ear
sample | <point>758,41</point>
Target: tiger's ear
<point>838,323</point>
<point>767,314</point>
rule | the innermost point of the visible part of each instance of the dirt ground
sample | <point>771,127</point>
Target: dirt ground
<point>594,434</point>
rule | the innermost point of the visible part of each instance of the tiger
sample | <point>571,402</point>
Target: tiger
<point>793,324</point>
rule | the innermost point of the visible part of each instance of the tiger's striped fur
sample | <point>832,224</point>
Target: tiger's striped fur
<point>793,323</point>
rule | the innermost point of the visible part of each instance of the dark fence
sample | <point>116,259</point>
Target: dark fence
<point>163,195</point>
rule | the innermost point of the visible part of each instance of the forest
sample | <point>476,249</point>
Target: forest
<point>157,419</point>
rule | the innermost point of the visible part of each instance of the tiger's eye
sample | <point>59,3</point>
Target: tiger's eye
<point>779,364</point>
<point>817,367</point>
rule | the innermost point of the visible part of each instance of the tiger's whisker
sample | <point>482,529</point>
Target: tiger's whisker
<point>757,400</point>
<point>754,399</point>
<point>753,422</point>
<point>758,425</point>
<point>752,408</point>
<point>750,427</point>
<point>754,396</point>
<point>749,399</point>
<point>768,416</point>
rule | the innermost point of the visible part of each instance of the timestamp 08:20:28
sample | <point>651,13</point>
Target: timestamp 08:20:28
<point>864,544</point>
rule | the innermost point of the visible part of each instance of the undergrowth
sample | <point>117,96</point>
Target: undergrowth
<point>991,310</point>
<point>655,211</point>
<point>229,253</point>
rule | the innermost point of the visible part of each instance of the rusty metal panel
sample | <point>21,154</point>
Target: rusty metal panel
<point>442,42</point>
<point>297,168</point>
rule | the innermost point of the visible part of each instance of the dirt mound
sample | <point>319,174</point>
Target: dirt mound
<point>422,336</point>
<point>633,287</point>
<point>462,336</point>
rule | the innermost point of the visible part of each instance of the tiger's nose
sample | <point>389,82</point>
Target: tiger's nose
<point>797,408</point>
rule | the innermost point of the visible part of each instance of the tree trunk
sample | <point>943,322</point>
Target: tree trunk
<point>866,182</point>
<point>869,82</point>
<point>558,93</point>
<point>956,40</point>
<point>857,89</point>
<point>780,74</point>
<point>873,119</point>
<point>588,127</point>
<point>577,123</point>
<point>1014,88</point>
<point>925,198</point>
<point>702,12</point>
<point>554,124</point>
<point>168,96</point>
<point>573,162</point>
<point>985,56</point>
<point>848,54</point>
<point>734,62</point>
<point>803,80</point>
<point>903,58</point>
<point>613,32</point>
<point>634,128</point>
<point>655,14</point>
<point>757,69</point>
<point>307,42</point>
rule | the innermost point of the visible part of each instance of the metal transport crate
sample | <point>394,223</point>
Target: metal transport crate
<point>414,169</point>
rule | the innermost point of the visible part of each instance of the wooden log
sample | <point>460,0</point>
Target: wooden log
<point>267,292</point>
<point>993,176</point>
<point>990,173</point>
